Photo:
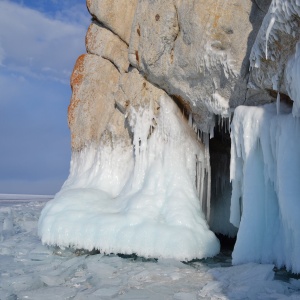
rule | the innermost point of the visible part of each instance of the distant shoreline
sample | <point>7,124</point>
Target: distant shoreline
<point>15,199</point>
<point>24,197</point>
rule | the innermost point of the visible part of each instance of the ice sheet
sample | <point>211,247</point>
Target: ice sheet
<point>29,270</point>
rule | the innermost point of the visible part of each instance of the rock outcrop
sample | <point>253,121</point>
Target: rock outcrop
<point>274,45</point>
<point>104,43</point>
<point>207,57</point>
<point>116,15</point>
<point>196,50</point>
<point>90,110</point>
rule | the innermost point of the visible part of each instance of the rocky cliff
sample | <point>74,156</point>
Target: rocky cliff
<point>196,51</point>
<point>170,73</point>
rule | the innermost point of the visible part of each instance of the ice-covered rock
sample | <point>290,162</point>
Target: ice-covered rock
<point>139,174</point>
<point>143,201</point>
<point>274,45</point>
<point>141,167</point>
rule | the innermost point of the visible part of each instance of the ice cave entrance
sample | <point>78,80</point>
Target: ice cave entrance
<point>219,149</point>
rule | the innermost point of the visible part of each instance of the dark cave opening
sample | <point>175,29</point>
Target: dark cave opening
<point>227,243</point>
<point>219,149</point>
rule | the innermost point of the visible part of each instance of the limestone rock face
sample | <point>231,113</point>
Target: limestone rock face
<point>275,44</point>
<point>116,15</point>
<point>104,43</point>
<point>91,110</point>
<point>103,99</point>
<point>135,91</point>
<point>196,50</point>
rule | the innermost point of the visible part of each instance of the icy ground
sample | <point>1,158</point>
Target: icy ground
<point>30,270</point>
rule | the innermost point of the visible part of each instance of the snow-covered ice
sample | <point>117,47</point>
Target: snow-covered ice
<point>29,270</point>
<point>144,202</point>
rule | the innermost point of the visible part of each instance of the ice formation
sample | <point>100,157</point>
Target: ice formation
<point>274,43</point>
<point>142,201</point>
<point>265,170</point>
<point>292,78</point>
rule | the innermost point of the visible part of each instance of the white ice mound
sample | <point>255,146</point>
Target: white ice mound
<point>265,174</point>
<point>141,201</point>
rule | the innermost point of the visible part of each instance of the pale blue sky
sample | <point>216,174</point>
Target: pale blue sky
<point>39,44</point>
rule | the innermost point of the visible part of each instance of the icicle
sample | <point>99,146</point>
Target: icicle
<point>278,103</point>
<point>207,178</point>
<point>195,127</point>
<point>211,131</point>
<point>199,180</point>
<point>228,122</point>
<point>268,33</point>
<point>190,120</point>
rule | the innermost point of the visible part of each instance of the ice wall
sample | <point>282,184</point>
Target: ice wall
<point>292,79</point>
<point>141,200</point>
<point>265,172</point>
<point>265,163</point>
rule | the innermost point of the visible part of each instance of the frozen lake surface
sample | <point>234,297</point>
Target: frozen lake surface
<point>29,270</point>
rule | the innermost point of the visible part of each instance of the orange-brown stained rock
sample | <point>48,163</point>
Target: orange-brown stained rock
<point>76,81</point>
<point>183,105</point>
<point>217,17</point>
<point>89,40</point>
<point>93,81</point>
<point>137,56</point>
<point>77,74</point>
